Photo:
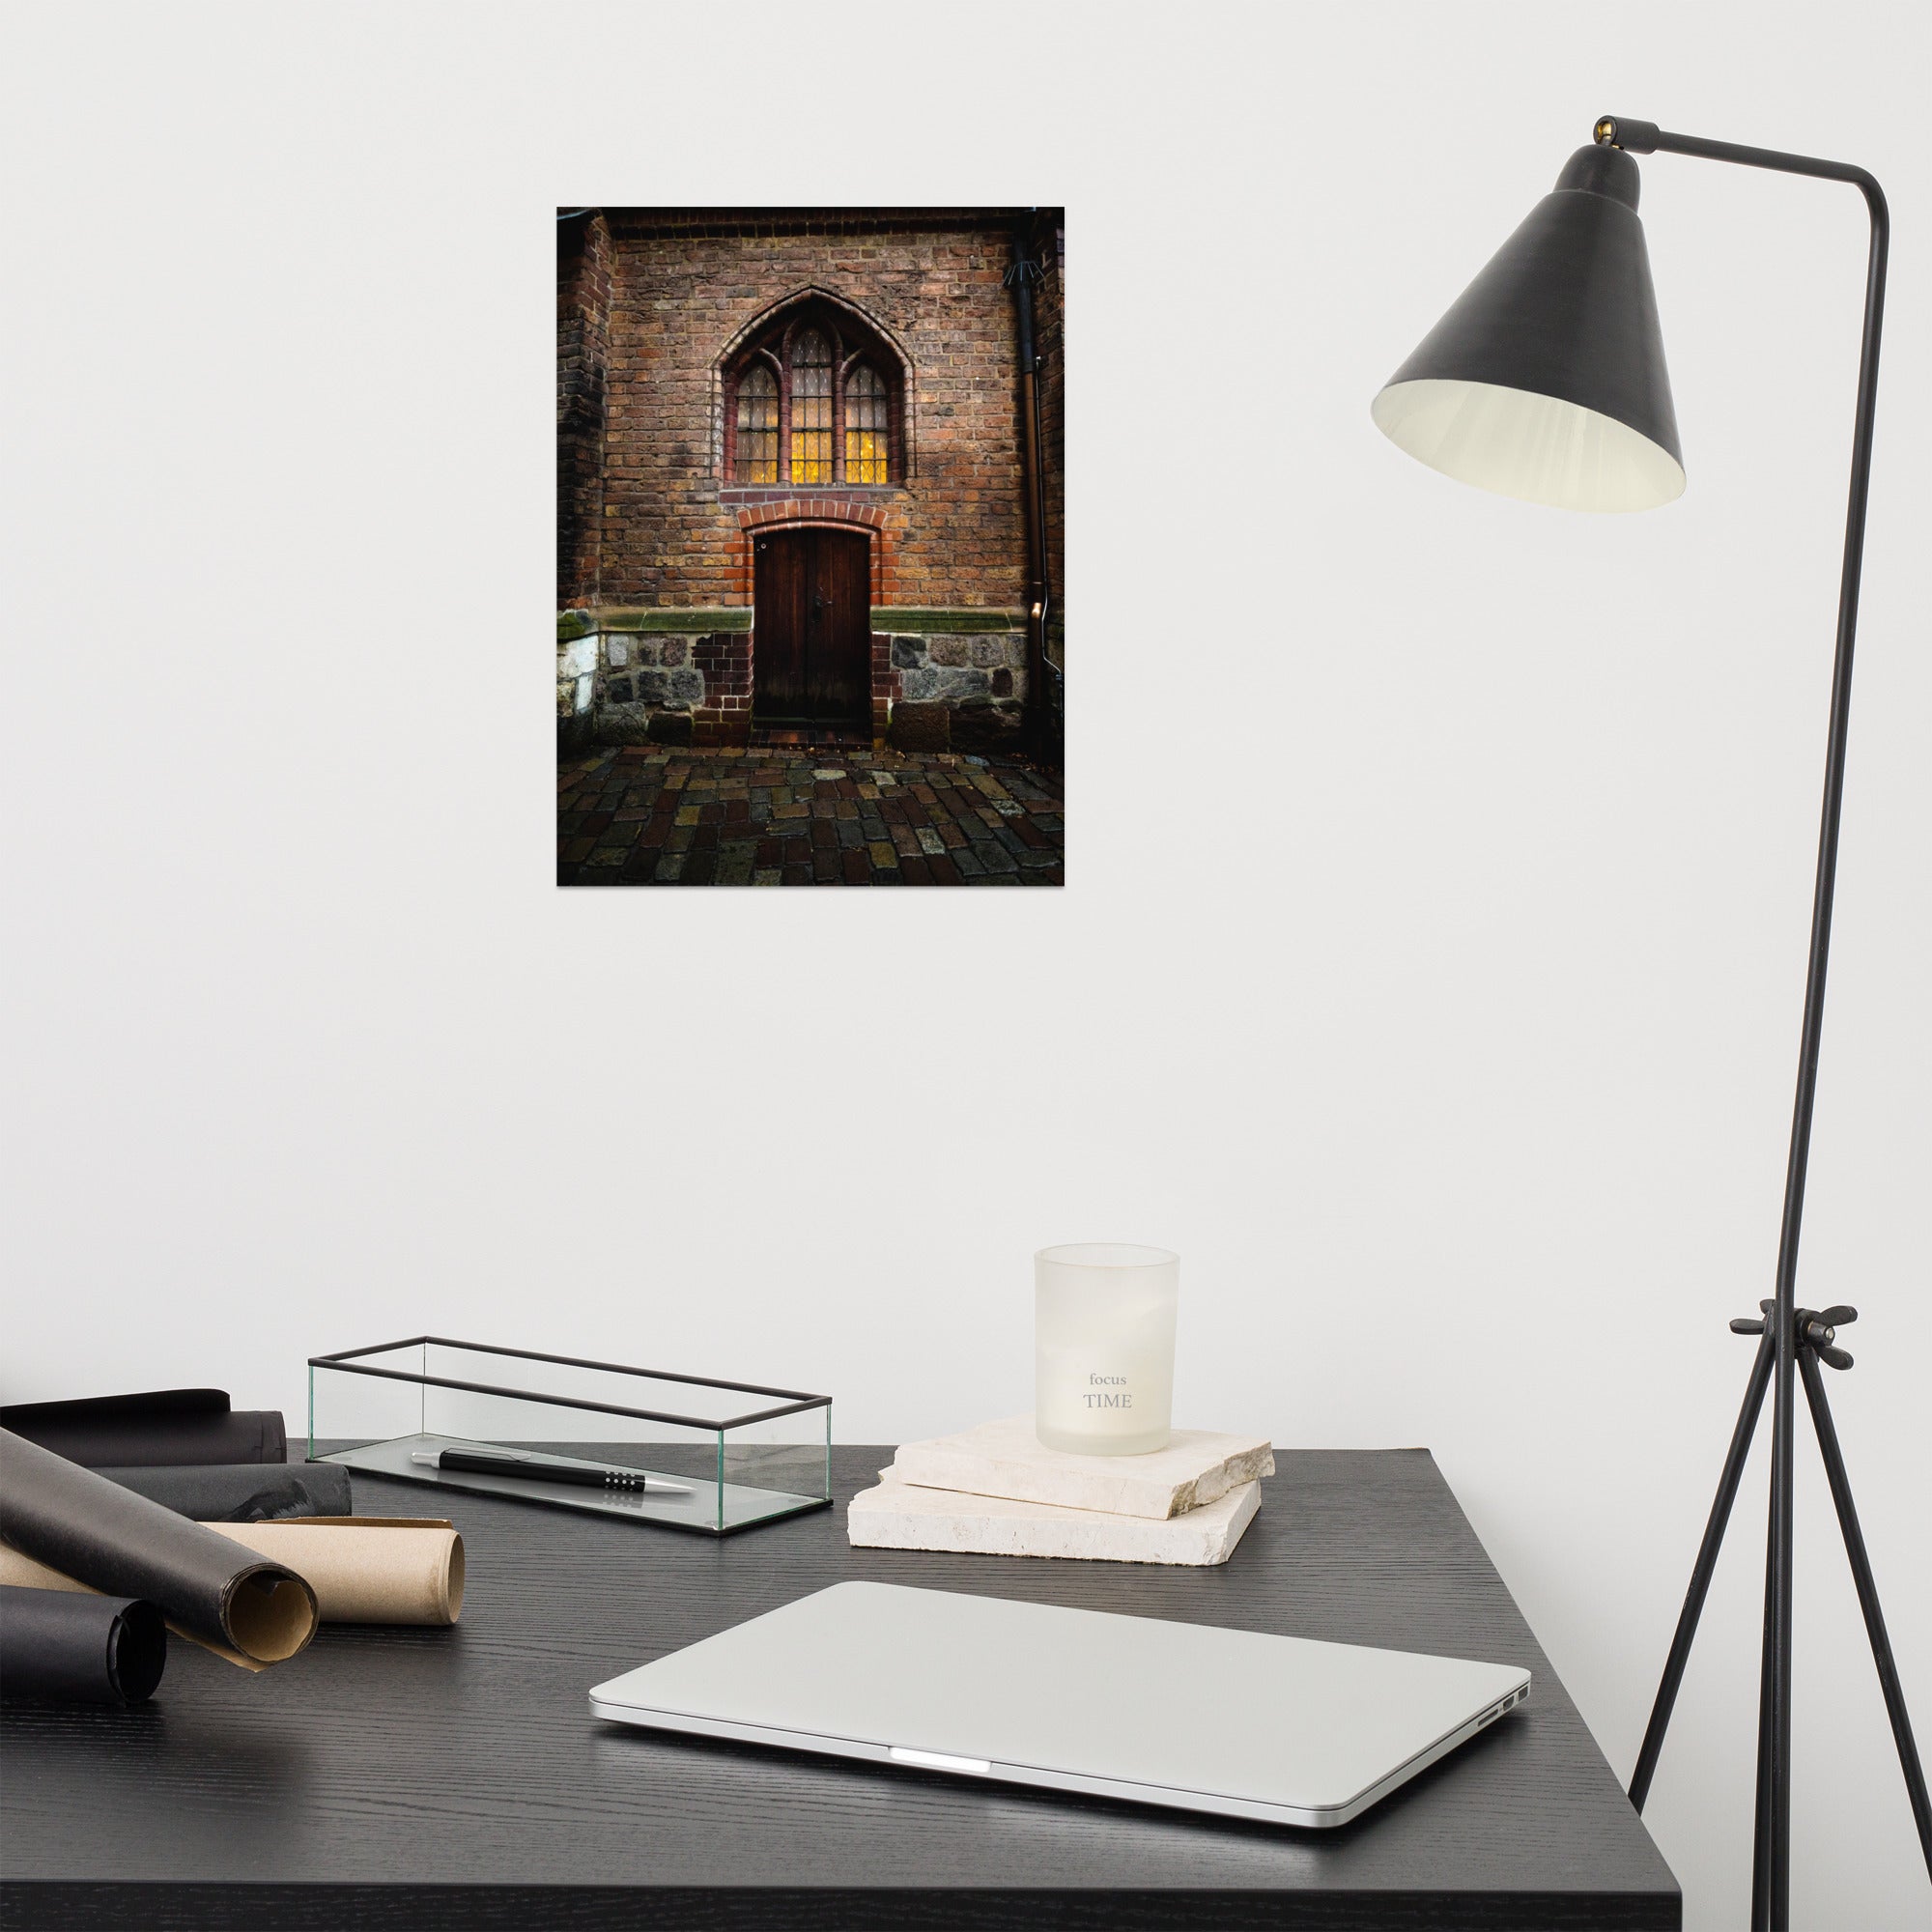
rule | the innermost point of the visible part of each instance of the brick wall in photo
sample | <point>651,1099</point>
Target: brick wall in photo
<point>583,355</point>
<point>683,287</point>
<point>658,310</point>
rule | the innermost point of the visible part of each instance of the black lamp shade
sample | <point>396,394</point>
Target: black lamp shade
<point>1546,381</point>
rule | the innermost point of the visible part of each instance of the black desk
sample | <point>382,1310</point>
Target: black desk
<point>431,1779</point>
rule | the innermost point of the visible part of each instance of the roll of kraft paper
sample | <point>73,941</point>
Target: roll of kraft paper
<point>162,1426</point>
<point>365,1569</point>
<point>241,1491</point>
<point>101,1537</point>
<point>74,1649</point>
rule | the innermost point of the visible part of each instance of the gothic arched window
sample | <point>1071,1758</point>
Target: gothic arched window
<point>814,400</point>
<point>865,429</point>
<point>759,426</point>
<point>810,408</point>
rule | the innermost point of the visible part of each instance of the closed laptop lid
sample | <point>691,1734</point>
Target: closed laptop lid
<point>1280,1722</point>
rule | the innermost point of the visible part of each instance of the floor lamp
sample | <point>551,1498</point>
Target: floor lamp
<point>1546,381</point>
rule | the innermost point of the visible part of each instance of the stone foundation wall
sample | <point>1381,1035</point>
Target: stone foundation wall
<point>631,679</point>
<point>576,683</point>
<point>643,677</point>
<point>978,682</point>
<point>678,688</point>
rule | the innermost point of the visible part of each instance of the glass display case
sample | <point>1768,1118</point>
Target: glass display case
<point>683,1452</point>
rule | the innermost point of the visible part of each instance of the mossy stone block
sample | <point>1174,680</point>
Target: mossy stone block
<point>924,620</point>
<point>690,622</point>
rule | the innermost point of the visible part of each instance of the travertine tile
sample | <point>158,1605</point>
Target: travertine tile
<point>902,1516</point>
<point>1006,1459</point>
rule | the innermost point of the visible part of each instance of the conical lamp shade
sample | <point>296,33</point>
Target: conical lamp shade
<point>1546,381</point>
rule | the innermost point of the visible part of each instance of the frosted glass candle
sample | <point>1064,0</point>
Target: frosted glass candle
<point>1103,1347</point>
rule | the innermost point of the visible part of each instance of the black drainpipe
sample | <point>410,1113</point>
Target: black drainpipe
<point>1020,278</point>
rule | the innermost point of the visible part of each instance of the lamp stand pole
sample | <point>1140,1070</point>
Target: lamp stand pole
<point>1793,1339</point>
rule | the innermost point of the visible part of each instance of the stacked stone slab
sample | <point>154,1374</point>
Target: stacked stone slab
<point>997,1490</point>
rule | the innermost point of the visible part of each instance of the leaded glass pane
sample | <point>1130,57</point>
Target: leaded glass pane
<point>810,408</point>
<point>865,426</point>
<point>757,439</point>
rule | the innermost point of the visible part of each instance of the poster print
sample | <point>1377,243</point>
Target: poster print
<point>809,545</point>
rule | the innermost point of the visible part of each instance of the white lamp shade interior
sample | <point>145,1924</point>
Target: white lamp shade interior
<point>1535,448</point>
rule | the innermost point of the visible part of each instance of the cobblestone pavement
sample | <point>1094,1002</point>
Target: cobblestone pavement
<point>642,816</point>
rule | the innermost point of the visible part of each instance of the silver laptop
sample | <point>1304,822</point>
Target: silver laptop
<point>1279,1728</point>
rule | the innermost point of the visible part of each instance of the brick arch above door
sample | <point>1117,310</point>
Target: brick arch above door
<point>827,512</point>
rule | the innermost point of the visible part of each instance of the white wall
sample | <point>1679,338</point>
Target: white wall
<point>1435,995</point>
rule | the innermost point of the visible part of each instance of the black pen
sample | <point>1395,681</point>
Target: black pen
<point>532,1468</point>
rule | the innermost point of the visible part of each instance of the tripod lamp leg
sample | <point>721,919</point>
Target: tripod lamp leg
<point>1701,1574</point>
<point>1777,1629</point>
<point>1762,1826</point>
<point>1867,1588</point>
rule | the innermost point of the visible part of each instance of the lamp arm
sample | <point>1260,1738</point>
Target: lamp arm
<point>1646,137</point>
<point>1771,1904</point>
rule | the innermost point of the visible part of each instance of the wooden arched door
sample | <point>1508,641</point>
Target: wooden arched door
<point>811,625</point>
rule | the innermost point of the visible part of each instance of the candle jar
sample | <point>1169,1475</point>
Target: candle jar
<point>1103,1347</point>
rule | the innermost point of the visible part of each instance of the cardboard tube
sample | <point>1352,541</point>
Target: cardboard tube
<point>363,1569</point>
<point>79,1648</point>
<point>89,1533</point>
<point>18,1571</point>
<point>366,1569</point>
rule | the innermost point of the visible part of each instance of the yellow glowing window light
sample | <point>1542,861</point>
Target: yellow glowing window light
<point>810,408</point>
<point>759,426</point>
<point>865,426</point>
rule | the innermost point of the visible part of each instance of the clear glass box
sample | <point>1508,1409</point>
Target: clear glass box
<point>722,1455</point>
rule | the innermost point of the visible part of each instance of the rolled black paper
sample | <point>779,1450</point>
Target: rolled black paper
<point>113,1541</point>
<point>162,1426</point>
<point>80,1649</point>
<point>242,1492</point>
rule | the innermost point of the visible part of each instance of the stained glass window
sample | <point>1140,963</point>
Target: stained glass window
<point>757,439</point>
<point>810,408</point>
<point>804,410</point>
<point>865,426</point>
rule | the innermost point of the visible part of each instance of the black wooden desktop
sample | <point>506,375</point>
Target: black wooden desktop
<point>453,1778</point>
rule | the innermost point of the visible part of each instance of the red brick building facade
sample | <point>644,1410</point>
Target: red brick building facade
<point>794,483</point>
